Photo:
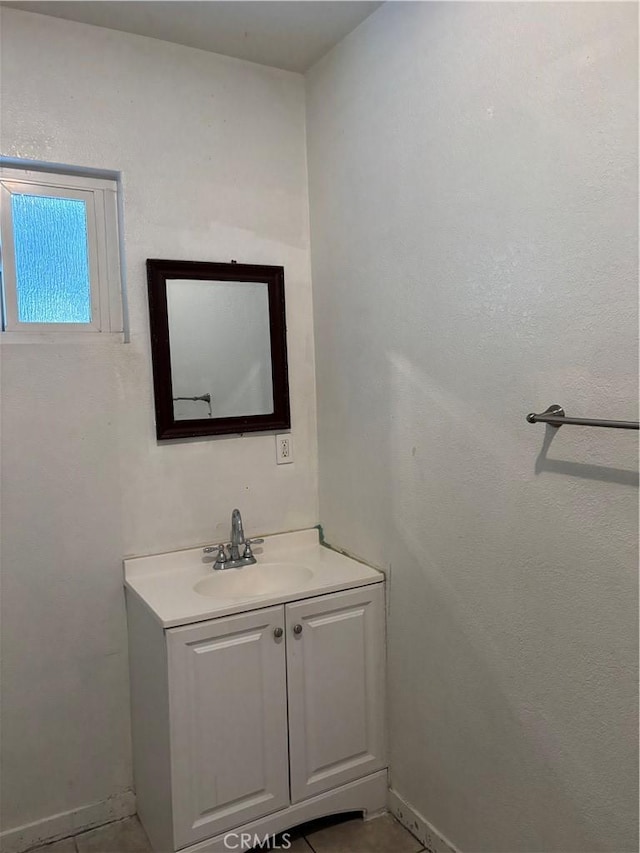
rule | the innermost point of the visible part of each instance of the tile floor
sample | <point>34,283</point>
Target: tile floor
<point>353,835</point>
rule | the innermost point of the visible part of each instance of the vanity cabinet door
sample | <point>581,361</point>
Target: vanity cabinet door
<point>335,669</point>
<point>227,699</point>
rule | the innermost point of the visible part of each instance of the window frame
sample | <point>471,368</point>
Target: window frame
<point>101,207</point>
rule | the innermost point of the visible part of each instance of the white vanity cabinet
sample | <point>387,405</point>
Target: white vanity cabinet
<point>228,719</point>
<point>274,711</point>
<point>335,669</point>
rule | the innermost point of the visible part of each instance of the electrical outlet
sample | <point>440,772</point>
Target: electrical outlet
<point>284,450</point>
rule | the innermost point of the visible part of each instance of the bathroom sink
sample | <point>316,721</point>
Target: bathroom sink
<point>250,581</point>
<point>181,587</point>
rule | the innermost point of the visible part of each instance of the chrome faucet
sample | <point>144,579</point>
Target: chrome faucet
<point>234,560</point>
<point>237,535</point>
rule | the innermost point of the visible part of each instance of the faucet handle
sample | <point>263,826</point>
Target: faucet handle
<point>247,546</point>
<point>221,557</point>
<point>210,549</point>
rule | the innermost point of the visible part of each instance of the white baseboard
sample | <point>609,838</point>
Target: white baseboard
<point>68,823</point>
<point>434,841</point>
<point>123,805</point>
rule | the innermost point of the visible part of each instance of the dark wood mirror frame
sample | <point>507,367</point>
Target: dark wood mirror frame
<point>167,427</point>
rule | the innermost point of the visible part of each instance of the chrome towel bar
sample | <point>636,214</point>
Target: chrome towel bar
<point>555,416</point>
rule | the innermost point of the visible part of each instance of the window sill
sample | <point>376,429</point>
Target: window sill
<point>95,338</point>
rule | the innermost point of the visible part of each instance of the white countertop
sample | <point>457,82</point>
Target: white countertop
<point>165,582</point>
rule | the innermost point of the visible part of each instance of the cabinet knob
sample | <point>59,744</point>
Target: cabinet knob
<point>297,629</point>
<point>277,633</point>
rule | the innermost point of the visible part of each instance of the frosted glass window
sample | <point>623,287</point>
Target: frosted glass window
<point>52,259</point>
<point>60,264</point>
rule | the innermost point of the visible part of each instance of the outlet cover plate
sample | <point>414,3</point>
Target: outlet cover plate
<point>284,449</point>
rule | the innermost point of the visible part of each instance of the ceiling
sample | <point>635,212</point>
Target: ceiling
<point>290,35</point>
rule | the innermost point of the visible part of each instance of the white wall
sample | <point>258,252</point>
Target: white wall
<point>212,155</point>
<point>473,184</point>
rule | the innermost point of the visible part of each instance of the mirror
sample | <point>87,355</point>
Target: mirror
<point>218,346</point>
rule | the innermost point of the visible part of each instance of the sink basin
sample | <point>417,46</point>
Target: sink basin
<point>181,587</point>
<point>250,581</point>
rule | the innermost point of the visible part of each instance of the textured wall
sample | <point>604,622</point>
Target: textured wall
<point>212,155</point>
<point>473,184</point>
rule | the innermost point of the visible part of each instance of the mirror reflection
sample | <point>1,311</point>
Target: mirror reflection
<point>220,344</point>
